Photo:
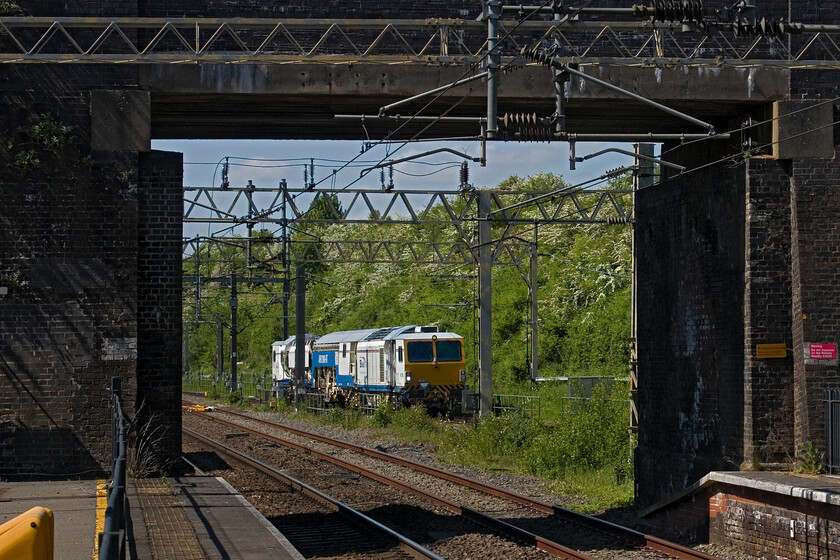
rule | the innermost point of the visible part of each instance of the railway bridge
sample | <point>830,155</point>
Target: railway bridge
<point>737,291</point>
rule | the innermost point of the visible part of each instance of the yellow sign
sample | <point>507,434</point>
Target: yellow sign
<point>763,351</point>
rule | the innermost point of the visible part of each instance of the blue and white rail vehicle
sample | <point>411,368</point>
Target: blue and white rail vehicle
<point>283,364</point>
<point>404,365</point>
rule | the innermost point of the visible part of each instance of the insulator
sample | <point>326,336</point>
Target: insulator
<point>225,167</point>
<point>535,134</point>
<point>516,120</point>
<point>685,11</point>
<point>535,54</point>
<point>465,174</point>
<point>765,28</point>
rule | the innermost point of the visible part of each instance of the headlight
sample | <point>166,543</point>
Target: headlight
<point>408,376</point>
<point>463,373</point>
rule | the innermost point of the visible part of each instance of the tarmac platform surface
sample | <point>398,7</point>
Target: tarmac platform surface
<point>181,518</point>
<point>73,504</point>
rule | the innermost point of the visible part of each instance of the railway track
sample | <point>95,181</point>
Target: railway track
<point>350,529</point>
<point>520,518</point>
<point>456,530</point>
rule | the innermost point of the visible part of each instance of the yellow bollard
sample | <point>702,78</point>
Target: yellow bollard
<point>29,536</point>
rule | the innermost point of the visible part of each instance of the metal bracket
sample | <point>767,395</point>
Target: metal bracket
<point>367,170</point>
<point>572,158</point>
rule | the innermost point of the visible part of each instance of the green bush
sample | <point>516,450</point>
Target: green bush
<point>8,8</point>
<point>414,419</point>
<point>810,460</point>
<point>494,441</point>
<point>347,418</point>
<point>383,415</point>
<point>591,436</point>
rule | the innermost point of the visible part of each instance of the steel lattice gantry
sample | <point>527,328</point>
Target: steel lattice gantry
<point>419,207</point>
<point>646,41</point>
<point>282,206</point>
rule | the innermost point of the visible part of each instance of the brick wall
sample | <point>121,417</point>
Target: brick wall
<point>786,528</point>
<point>159,288</point>
<point>69,258</point>
<point>790,294</point>
<point>815,204</point>
<point>690,247</point>
<point>68,239</point>
<point>768,382</point>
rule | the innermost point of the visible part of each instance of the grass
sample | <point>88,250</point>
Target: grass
<point>596,490</point>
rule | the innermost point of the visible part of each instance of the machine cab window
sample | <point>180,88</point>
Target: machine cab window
<point>419,351</point>
<point>448,350</point>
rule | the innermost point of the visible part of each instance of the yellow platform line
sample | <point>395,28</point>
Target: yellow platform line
<point>101,506</point>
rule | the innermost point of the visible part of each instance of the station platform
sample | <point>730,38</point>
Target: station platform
<point>181,518</point>
<point>765,514</point>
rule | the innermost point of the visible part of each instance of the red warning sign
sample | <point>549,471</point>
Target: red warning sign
<point>822,351</point>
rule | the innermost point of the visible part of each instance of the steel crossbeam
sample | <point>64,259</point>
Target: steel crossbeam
<point>427,41</point>
<point>418,207</point>
<point>510,251</point>
<point>455,253</point>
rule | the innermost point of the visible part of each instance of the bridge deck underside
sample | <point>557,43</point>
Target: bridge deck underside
<point>301,101</point>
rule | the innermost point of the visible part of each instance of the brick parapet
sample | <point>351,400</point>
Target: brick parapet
<point>768,521</point>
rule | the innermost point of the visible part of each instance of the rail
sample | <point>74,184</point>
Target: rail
<point>112,538</point>
<point>496,525</point>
